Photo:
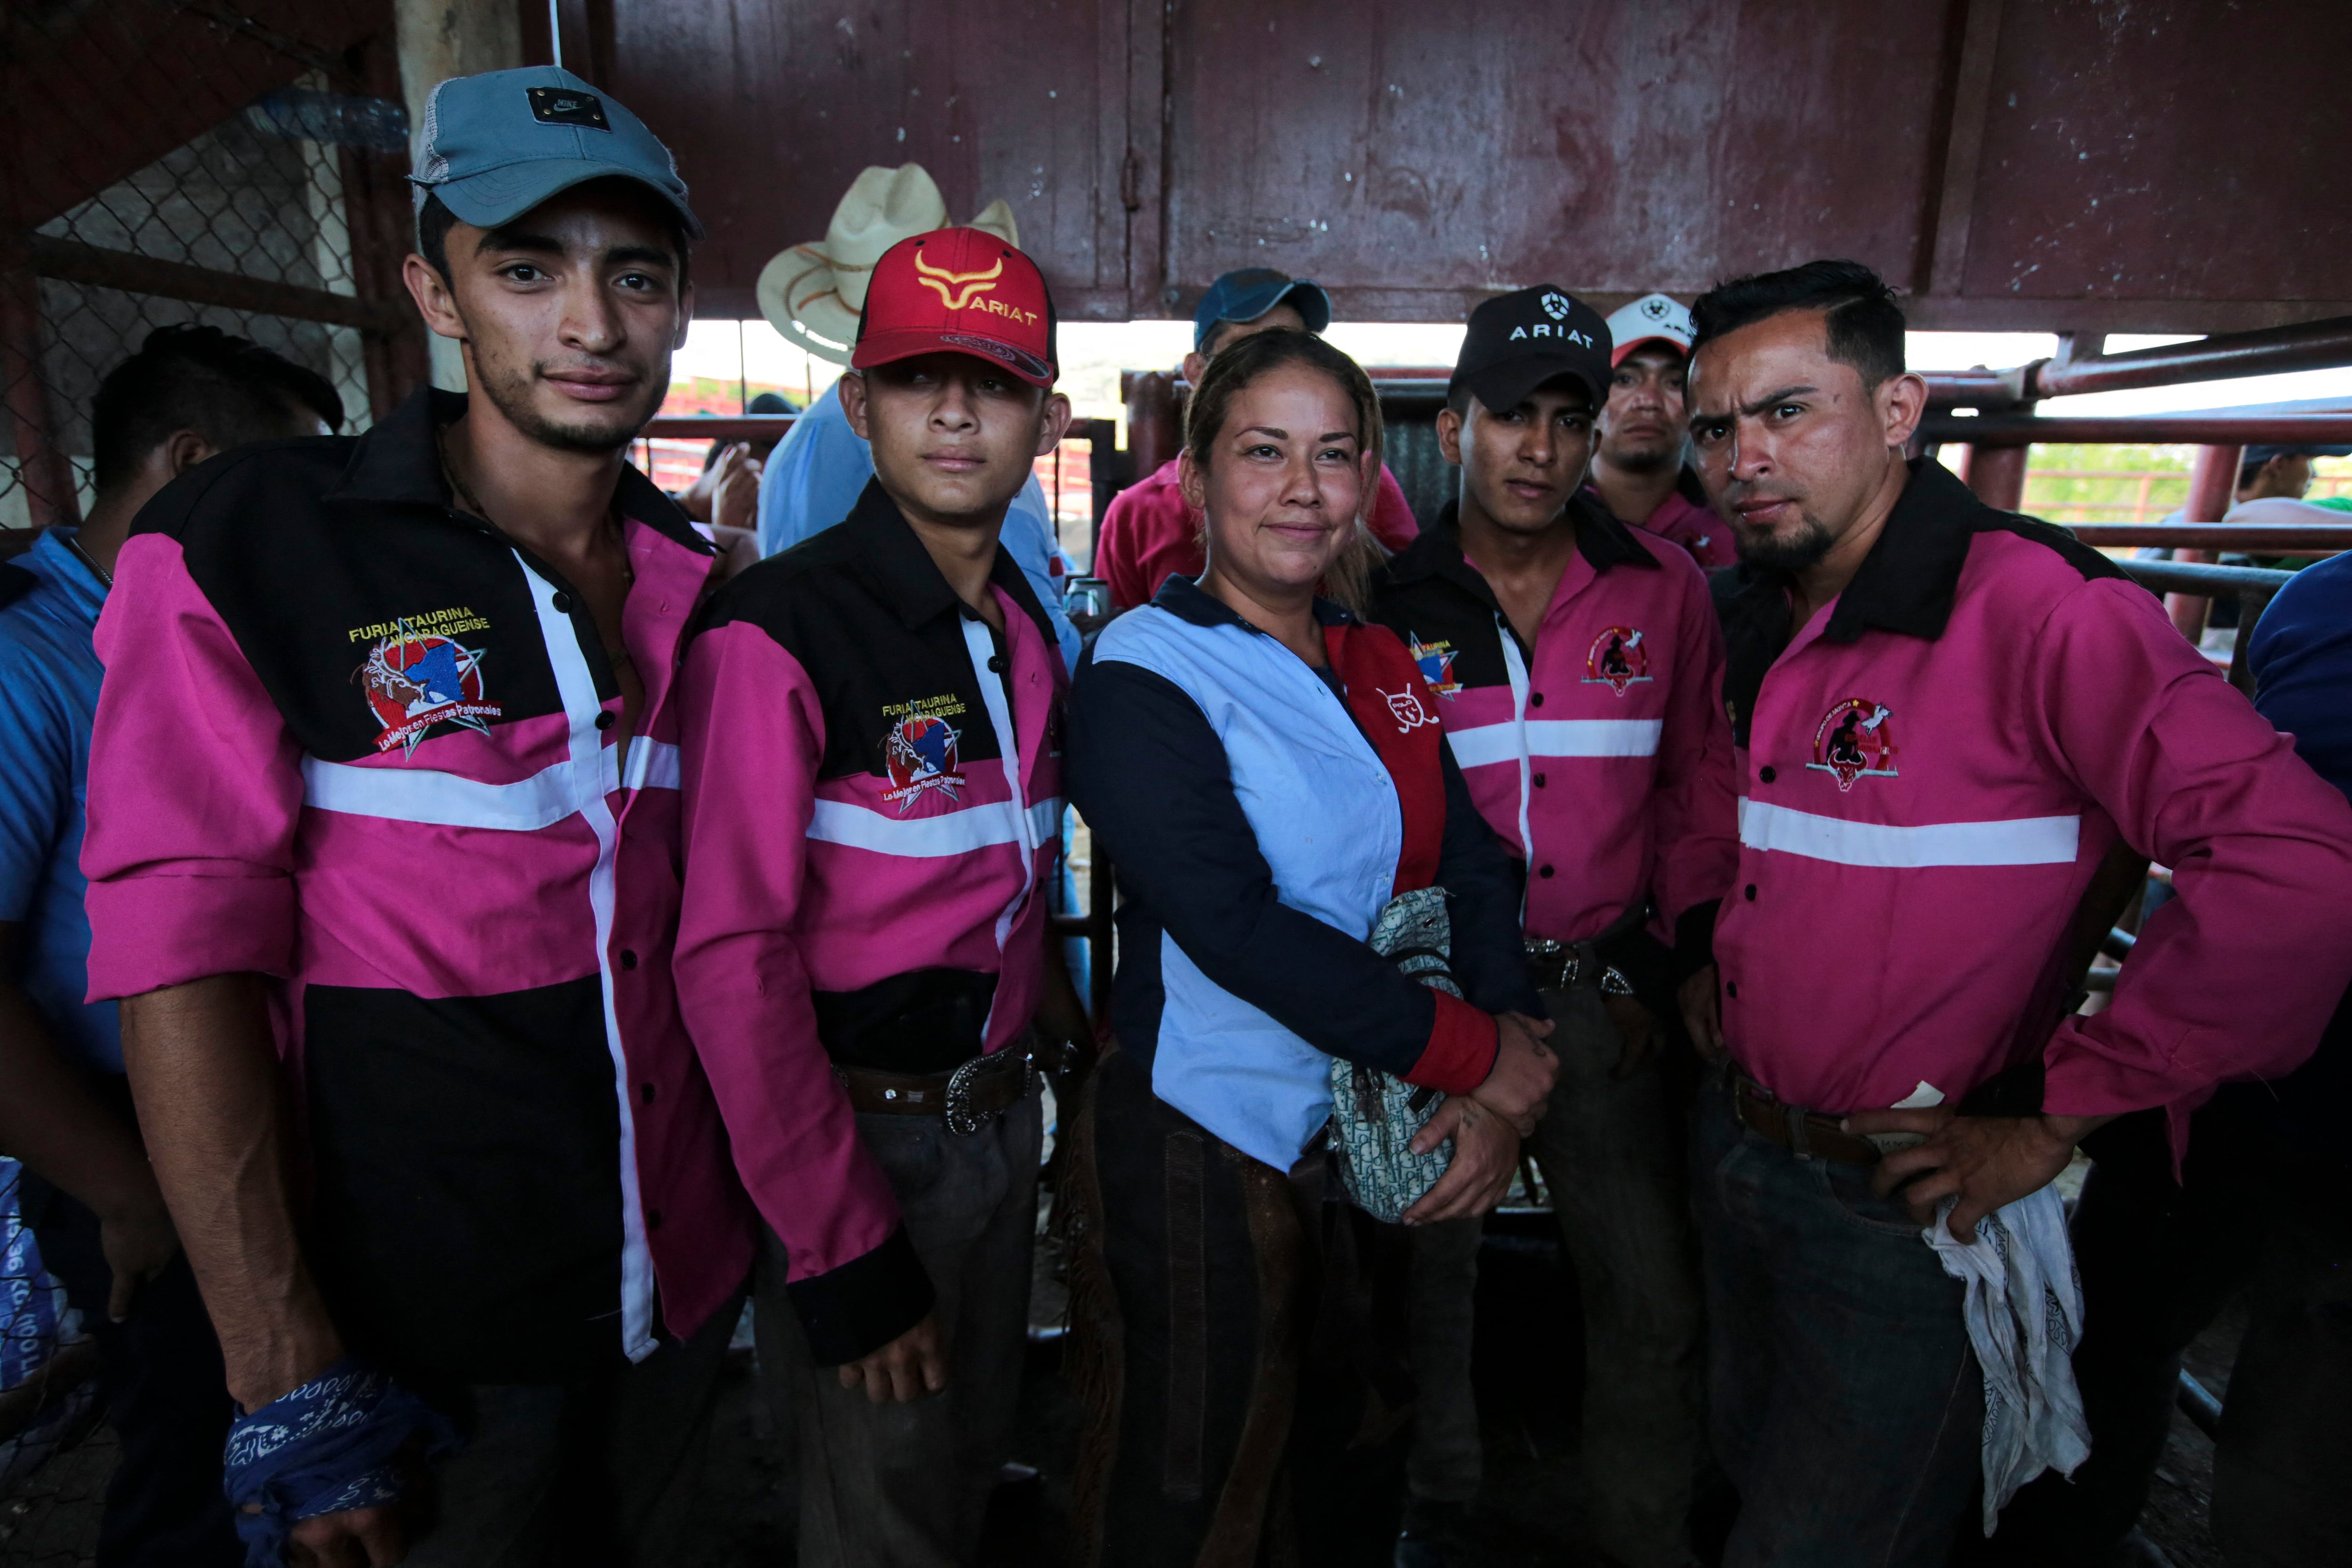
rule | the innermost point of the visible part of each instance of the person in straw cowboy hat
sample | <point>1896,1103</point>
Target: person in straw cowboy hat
<point>814,294</point>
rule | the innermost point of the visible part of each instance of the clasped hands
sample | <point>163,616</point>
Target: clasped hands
<point>1487,1123</point>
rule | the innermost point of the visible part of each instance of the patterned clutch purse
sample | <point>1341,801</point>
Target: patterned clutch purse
<point>1374,1114</point>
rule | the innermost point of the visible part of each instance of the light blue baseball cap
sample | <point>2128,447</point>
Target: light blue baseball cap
<point>498,144</point>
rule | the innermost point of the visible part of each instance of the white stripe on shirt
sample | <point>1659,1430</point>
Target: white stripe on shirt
<point>933,838</point>
<point>451,800</point>
<point>1557,738</point>
<point>2020,841</point>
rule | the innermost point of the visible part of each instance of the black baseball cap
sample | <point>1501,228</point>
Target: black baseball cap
<point>1519,340</point>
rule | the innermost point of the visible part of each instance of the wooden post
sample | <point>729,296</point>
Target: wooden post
<point>2212,487</point>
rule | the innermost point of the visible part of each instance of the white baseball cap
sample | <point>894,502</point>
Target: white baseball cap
<point>1652,319</point>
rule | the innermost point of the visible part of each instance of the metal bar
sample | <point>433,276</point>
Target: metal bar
<point>1973,388</point>
<point>71,261</point>
<point>2197,1403</point>
<point>1964,133</point>
<point>2244,536</point>
<point>2013,430</point>
<point>1997,474</point>
<point>2307,345</point>
<point>2118,944</point>
<point>2212,486</point>
<point>42,466</point>
<point>2188,578</point>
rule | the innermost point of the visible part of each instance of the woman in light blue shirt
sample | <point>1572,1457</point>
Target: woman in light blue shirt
<point>1266,772</point>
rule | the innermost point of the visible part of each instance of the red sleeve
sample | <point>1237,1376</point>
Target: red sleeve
<point>751,734</point>
<point>2235,977</point>
<point>1393,522</point>
<point>1696,845</point>
<point>195,790</point>
<point>1119,551</point>
<point>1462,1042</point>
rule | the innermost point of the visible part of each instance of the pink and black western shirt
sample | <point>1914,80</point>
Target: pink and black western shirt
<point>364,744</point>
<point>1600,756</point>
<point>1930,772</point>
<point>873,789</point>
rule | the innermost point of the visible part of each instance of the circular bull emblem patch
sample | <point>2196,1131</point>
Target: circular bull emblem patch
<point>1617,660</point>
<point>1854,740</point>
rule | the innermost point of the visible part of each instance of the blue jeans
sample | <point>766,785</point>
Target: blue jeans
<point>1846,1405</point>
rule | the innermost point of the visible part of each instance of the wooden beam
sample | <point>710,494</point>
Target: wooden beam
<point>1955,199</point>
<point>71,261</point>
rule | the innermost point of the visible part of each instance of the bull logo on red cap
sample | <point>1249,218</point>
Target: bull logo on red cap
<point>958,289</point>
<point>1854,740</point>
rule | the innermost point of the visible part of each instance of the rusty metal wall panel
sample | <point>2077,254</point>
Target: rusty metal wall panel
<point>2166,151</point>
<point>1414,157</point>
<point>773,108</point>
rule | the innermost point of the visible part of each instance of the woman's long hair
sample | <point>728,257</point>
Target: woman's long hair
<point>1239,366</point>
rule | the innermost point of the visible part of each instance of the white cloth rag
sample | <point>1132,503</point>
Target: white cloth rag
<point>2024,1313</point>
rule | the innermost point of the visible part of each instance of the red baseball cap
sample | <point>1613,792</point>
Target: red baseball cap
<point>959,290</point>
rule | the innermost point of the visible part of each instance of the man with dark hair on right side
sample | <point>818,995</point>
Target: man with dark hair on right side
<point>1948,720</point>
<point>188,392</point>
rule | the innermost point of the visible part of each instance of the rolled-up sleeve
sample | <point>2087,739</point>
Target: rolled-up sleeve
<point>1152,778</point>
<point>195,788</point>
<point>751,734</point>
<point>2236,976</point>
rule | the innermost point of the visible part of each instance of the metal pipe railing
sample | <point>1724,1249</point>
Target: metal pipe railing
<point>2220,427</point>
<point>2298,538</point>
<point>2305,345</point>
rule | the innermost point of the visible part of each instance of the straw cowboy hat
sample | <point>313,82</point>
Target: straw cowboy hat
<point>814,293</point>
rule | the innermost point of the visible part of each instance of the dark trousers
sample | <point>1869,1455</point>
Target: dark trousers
<point>1847,1407</point>
<point>602,1471</point>
<point>167,1397</point>
<point>1242,1345</point>
<point>2159,1260</point>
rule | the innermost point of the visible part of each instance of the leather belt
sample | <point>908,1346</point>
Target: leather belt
<point>1565,965</point>
<point>982,1088</point>
<point>1808,1134</point>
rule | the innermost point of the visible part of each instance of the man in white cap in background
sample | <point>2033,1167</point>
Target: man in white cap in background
<point>815,295</point>
<point>1638,465</point>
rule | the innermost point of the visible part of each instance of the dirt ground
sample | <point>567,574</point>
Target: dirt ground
<point>1527,1519</point>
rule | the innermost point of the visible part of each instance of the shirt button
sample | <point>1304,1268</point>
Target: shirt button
<point>629,957</point>
<point>1536,700</point>
<point>645,1092</point>
<point>1766,775</point>
<point>1751,892</point>
<point>604,720</point>
<point>1539,781</point>
<point>1543,871</point>
<point>996,663</point>
<point>562,604</point>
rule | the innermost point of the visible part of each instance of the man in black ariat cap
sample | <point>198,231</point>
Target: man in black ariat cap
<point>1576,660</point>
<point>417,866</point>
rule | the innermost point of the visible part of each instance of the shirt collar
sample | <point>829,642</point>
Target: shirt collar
<point>1188,601</point>
<point>1601,539</point>
<point>1907,581</point>
<point>399,462</point>
<point>903,573</point>
<point>50,560</point>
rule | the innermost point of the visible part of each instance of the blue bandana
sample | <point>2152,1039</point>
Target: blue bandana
<point>325,1447</point>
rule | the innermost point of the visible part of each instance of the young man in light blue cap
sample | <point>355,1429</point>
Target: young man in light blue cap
<point>414,861</point>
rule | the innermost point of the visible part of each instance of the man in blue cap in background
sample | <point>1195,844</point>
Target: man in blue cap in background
<point>1149,535</point>
<point>384,814</point>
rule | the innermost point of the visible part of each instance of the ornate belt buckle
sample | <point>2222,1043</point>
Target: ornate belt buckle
<point>1553,962</point>
<point>962,1120</point>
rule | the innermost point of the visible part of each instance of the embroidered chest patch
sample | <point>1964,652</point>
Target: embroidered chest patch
<point>1618,659</point>
<point>920,751</point>
<point>1436,661</point>
<point>414,679</point>
<point>1854,740</point>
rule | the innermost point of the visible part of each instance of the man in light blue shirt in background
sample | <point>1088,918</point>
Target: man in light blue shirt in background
<point>65,1108</point>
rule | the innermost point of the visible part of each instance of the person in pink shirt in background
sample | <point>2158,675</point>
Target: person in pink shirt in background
<point>1639,467</point>
<point>1149,535</point>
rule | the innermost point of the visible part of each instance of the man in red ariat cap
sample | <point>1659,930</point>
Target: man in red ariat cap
<point>870,762</point>
<point>1638,467</point>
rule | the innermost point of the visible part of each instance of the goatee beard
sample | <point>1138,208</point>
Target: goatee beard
<point>1794,553</point>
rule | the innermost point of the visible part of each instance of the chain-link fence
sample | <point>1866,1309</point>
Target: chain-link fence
<point>237,165</point>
